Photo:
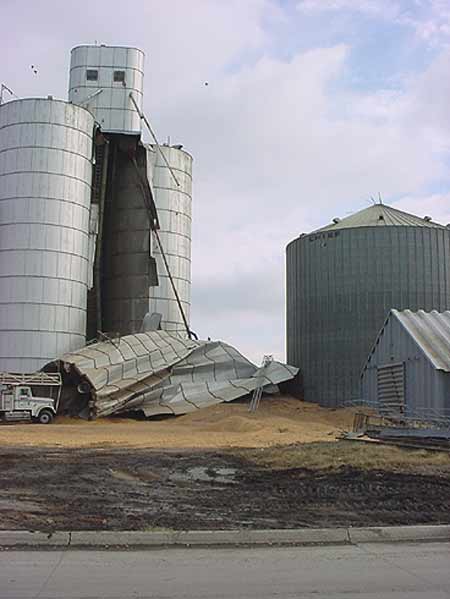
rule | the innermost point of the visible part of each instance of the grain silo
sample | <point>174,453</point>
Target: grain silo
<point>109,80</point>
<point>174,205</point>
<point>78,189</point>
<point>342,281</point>
<point>45,192</point>
<point>102,78</point>
<point>130,277</point>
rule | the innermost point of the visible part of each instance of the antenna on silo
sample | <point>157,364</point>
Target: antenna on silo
<point>4,88</point>
<point>379,198</point>
<point>374,203</point>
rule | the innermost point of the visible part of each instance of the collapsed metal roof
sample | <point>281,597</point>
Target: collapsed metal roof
<point>160,373</point>
<point>431,332</point>
<point>380,215</point>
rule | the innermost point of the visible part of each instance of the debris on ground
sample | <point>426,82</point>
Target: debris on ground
<point>160,373</point>
<point>400,430</point>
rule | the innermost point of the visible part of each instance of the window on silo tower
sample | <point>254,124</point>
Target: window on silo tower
<point>119,76</point>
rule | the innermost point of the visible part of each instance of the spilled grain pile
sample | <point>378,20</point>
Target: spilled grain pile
<point>278,421</point>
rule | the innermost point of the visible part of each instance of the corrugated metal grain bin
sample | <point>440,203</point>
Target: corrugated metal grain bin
<point>408,370</point>
<point>343,280</point>
<point>174,205</point>
<point>45,193</point>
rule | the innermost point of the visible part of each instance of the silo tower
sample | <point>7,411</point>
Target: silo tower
<point>78,214</point>
<point>101,79</point>
<point>342,281</point>
<point>174,204</point>
<point>130,278</point>
<point>45,195</point>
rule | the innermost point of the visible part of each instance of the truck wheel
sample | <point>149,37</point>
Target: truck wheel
<point>45,417</point>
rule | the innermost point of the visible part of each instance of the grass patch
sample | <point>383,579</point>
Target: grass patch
<point>334,455</point>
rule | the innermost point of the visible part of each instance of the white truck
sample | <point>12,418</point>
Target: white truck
<point>18,402</point>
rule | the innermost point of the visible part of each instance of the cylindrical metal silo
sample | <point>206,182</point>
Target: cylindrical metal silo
<point>342,281</point>
<point>174,205</point>
<point>101,79</point>
<point>45,190</point>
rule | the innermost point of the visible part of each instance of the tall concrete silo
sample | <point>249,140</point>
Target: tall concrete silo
<point>174,205</point>
<point>45,190</point>
<point>343,279</point>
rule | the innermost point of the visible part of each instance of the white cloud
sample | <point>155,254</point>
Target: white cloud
<point>429,19</point>
<point>436,205</point>
<point>278,156</point>
<point>280,146</point>
<point>381,8</point>
<point>432,24</point>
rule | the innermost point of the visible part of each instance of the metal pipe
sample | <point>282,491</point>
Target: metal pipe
<point>144,118</point>
<point>89,98</point>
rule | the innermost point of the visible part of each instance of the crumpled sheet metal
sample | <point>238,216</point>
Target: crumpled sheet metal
<point>160,373</point>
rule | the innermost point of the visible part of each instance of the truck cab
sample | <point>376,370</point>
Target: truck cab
<point>17,401</point>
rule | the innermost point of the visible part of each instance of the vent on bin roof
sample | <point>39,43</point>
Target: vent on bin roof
<point>380,215</point>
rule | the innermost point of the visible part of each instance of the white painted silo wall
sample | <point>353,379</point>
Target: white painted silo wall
<point>45,190</point>
<point>112,108</point>
<point>174,205</point>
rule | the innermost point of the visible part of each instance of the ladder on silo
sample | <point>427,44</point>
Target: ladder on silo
<point>99,180</point>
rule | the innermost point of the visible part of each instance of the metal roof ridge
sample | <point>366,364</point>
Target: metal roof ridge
<point>421,319</point>
<point>388,216</point>
<point>428,344</point>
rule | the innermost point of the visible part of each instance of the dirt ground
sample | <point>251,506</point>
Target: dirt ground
<point>218,468</point>
<point>279,420</point>
<point>117,489</point>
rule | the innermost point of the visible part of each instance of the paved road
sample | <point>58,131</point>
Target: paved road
<point>367,571</point>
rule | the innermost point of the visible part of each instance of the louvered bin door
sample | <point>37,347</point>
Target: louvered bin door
<point>391,388</point>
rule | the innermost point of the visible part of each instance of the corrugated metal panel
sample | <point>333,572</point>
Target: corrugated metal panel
<point>427,390</point>
<point>112,108</point>
<point>431,331</point>
<point>45,190</point>
<point>160,373</point>
<point>380,215</point>
<point>340,287</point>
<point>391,388</point>
<point>174,206</point>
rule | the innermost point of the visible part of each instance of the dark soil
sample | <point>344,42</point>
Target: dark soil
<point>49,489</point>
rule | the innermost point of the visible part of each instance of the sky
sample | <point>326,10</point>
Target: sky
<point>311,108</point>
